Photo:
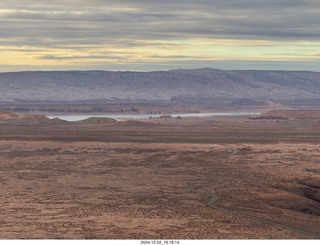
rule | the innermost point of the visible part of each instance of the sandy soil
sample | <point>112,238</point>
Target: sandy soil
<point>130,180</point>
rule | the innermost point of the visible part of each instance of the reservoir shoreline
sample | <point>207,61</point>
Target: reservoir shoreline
<point>79,117</point>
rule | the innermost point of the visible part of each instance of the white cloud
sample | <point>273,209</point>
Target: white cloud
<point>83,25</point>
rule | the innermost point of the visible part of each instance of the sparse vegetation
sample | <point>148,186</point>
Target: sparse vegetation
<point>96,178</point>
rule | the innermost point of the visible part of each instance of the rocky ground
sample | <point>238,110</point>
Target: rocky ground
<point>103,179</point>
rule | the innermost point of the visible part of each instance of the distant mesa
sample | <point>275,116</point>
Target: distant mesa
<point>34,117</point>
<point>199,86</point>
<point>57,119</point>
<point>5,116</point>
<point>8,115</point>
<point>98,120</point>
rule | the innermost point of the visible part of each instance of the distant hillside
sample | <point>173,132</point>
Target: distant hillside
<point>200,85</point>
<point>10,117</point>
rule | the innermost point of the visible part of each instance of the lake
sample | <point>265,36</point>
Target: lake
<point>79,117</point>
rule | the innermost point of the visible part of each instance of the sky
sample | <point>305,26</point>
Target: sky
<point>145,35</point>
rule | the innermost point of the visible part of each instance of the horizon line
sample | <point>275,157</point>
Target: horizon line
<point>146,71</point>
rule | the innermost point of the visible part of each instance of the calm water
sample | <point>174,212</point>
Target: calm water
<point>145,116</point>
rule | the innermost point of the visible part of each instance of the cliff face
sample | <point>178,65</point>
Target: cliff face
<point>179,85</point>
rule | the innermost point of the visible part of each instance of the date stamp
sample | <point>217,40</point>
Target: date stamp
<point>160,242</point>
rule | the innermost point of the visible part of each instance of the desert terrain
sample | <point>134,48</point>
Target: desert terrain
<point>161,178</point>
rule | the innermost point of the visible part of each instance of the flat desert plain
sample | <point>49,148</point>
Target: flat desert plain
<point>161,178</point>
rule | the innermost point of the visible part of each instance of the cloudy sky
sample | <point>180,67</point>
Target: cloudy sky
<point>159,35</point>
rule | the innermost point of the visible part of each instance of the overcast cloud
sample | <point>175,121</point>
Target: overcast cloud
<point>50,27</point>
